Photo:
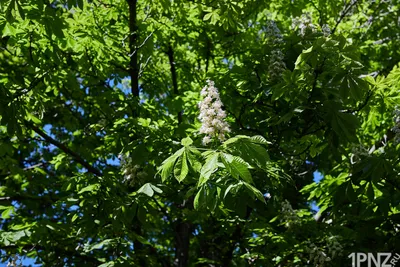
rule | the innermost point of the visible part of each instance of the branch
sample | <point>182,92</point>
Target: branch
<point>162,209</point>
<point>362,105</point>
<point>33,166</point>
<point>382,142</point>
<point>319,11</point>
<point>344,12</point>
<point>32,85</point>
<point>140,46</point>
<point>301,152</point>
<point>317,72</point>
<point>170,54</point>
<point>59,251</point>
<point>133,36</point>
<point>49,198</point>
<point>61,146</point>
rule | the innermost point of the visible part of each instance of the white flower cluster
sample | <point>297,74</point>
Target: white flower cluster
<point>304,24</point>
<point>317,256</point>
<point>133,173</point>
<point>334,247</point>
<point>357,152</point>
<point>276,65</point>
<point>273,32</point>
<point>326,30</point>
<point>212,116</point>
<point>396,128</point>
<point>289,214</point>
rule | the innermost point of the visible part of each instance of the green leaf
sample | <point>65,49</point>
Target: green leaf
<point>101,245</point>
<point>181,168</point>
<point>76,216</point>
<point>208,168</point>
<point>234,188</point>
<point>187,141</point>
<point>9,30</point>
<point>207,16</point>
<point>141,239</point>
<point>345,125</point>
<point>147,190</point>
<point>107,264</point>
<point>168,164</point>
<point>156,189</point>
<point>351,194</point>
<point>89,188</point>
<point>199,199</point>
<point>237,167</point>
<point>6,214</point>
<point>254,191</point>
<point>20,10</point>
<point>259,140</point>
<point>370,192</point>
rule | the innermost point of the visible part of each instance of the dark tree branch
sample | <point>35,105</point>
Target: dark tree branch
<point>236,238</point>
<point>317,72</point>
<point>389,135</point>
<point>170,54</point>
<point>60,251</point>
<point>344,12</point>
<point>61,146</point>
<point>320,20</point>
<point>182,244</point>
<point>133,36</point>
<point>48,198</point>
<point>362,105</point>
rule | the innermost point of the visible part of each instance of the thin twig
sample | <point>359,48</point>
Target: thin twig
<point>344,12</point>
<point>67,150</point>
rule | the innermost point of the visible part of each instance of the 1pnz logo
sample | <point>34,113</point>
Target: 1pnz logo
<point>381,259</point>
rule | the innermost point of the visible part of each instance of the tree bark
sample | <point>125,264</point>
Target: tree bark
<point>133,37</point>
<point>170,54</point>
<point>182,236</point>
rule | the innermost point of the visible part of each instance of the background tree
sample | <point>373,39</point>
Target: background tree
<point>103,160</point>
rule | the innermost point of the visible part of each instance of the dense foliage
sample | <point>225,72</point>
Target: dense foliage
<point>107,158</point>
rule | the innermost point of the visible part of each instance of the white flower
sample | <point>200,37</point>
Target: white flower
<point>217,104</point>
<point>304,24</point>
<point>273,32</point>
<point>207,100</point>
<point>221,137</point>
<point>206,139</point>
<point>211,114</point>
<point>276,65</point>
<point>326,30</point>
<point>396,127</point>
<point>221,114</point>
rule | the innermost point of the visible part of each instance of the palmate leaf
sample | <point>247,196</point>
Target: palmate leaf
<point>149,189</point>
<point>250,149</point>
<point>234,188</point>
<point>181,168</point>
<point>194,156</point>
<point>259,140</point>
<point>199,199</point>
<point>237,167</point>
<point>344,125</point>
<point>168,165</point>
<point>208,168</point>
<point>254,191</point>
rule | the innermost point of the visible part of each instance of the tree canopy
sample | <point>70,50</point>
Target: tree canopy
<point>189,133</point>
